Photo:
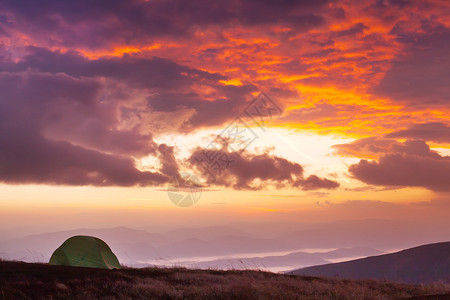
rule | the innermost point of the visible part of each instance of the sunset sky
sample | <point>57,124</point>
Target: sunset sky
<point>103,103</point>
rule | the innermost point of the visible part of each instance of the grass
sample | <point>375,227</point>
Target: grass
<point>41,281</point>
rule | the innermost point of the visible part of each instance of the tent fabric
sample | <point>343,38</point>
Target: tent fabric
<point>85,251</point>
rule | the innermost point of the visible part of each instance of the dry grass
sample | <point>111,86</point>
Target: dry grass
<point>40,281</point>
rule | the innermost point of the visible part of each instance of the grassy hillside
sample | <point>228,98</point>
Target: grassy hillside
<point>423,264</point>
<point>40,281</point>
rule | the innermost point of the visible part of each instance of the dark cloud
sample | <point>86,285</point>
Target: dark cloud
<point>75,116</point>
<point>32,103</point>
<point>207,113</point>
<point>374,146</point>
<point>420,77</point>
<point>168,160</point>
<point>174,87</point>
<point>63,107</point>
<point>405,170</point>
<point>386,4</point>
<point>355,29</point>
<point>139,72</point>
<point>32,159</point>
<point>314,182</point>
<point>249,171</point>
<point>407,164</point>
<point>130,21</point>
<point>435,132</point>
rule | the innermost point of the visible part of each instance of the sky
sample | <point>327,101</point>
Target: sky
<point>164,113</point>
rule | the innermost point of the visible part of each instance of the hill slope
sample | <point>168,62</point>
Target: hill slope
<point>423,264</point>
<point>40,281</point>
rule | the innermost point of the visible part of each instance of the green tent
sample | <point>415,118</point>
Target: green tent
<point>85,251</point>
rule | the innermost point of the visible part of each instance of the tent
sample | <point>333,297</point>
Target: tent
<point>85,251</point>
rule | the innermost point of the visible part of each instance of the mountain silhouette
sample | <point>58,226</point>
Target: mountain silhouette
<point>423,264</point>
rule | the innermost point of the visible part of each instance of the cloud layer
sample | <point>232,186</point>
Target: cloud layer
<point>88,86</point>
<point>244,171</point>
<point>407,164</point>
<point>32,103</point>
<point>434,132</point>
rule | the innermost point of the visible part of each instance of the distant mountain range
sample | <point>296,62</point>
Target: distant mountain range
<point>423,264</point>
<point>140,248</point>
<point>293,245</point>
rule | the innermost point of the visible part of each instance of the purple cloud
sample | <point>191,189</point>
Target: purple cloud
<point>435,132</point>
<point>408,164</point>
<point>95,24</point>
<point>405,170</point>
<point>171,85</point>
<point>420,77</point>
<point>377,146</point>
<point>245,171</point>
<point>32,103</point>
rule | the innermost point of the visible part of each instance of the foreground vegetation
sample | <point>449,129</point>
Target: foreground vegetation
<point>41,281</point>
